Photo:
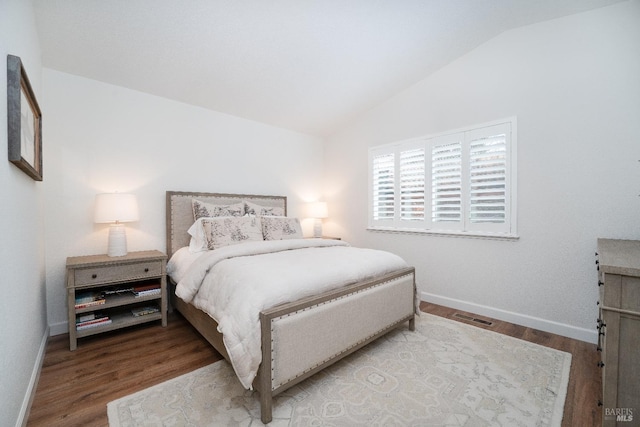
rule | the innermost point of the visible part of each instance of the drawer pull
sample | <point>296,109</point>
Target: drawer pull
<point>600,364</point>
<point>94,276</point>
<point>146,270</point>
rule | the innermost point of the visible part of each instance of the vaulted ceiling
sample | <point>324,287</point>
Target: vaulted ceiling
<point>306,65</point>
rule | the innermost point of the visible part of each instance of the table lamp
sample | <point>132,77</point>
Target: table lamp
<point>318,211</point>
<point>116,208</point>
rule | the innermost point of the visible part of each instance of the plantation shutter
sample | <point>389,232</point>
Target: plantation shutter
<point>383,186</point>
<point>460,183</point>
<point>412,200</point>
<point>488,177</point>
<point>446,180</point>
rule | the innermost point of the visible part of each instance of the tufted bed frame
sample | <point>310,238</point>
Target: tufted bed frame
<point>302,337</point>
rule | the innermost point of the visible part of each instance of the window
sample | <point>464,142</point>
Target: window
<point>455,183</point>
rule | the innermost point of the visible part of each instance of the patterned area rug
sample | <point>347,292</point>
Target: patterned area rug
<point>444,374</point>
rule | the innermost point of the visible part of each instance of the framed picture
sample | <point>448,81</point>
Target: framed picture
<point>24,121</point>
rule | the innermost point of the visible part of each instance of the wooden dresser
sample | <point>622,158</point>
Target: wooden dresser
<point>619,330</point>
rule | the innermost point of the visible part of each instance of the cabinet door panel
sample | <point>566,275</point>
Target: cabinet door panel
<point>629,363</point>
<point>630,294</point>
<point>611,289</point>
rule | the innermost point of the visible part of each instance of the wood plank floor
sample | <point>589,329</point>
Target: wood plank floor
<point>75,387</point>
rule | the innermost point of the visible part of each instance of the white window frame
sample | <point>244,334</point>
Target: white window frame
<point>465,227</point>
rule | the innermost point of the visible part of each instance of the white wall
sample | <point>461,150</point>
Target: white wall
<point>23,327</point>
<point>103,138</point>
<point>574,85</point>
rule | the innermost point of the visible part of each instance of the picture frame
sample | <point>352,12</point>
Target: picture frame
<point>24,121</point>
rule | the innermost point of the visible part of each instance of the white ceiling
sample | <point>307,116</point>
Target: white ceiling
<point>305,65</point>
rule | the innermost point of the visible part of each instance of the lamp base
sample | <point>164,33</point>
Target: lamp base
<point>117,241</point>
<point>317,228</point>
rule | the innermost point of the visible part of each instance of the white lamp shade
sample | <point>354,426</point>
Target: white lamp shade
<point>317,210</point>
<point>116,207</point>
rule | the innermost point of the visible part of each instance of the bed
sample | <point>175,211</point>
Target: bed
<point>300,336</point>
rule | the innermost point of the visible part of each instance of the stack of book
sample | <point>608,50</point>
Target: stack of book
<point>143,311</point>
<point>91,320</point>
<point>146,290</point>
<point>89,299</point>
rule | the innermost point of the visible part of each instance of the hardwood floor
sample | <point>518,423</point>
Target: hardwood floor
<point>75,387</point>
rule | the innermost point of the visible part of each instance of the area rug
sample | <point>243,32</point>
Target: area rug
<point>446,373</point>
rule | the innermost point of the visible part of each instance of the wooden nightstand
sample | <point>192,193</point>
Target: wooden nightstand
<point>109,293</point>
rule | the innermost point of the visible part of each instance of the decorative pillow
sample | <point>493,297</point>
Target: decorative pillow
<point>280,228</point>
<point>209,210</point>
<point>231,230</point>
<point>258,210</point>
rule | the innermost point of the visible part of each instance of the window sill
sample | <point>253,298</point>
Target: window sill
<point>447,233</point>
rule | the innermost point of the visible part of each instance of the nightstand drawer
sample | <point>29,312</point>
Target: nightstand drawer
<point>116,273</point>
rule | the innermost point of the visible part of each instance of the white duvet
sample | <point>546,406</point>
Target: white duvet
<point>235,283</point>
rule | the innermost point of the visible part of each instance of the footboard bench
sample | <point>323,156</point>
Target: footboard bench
<point>303,337</point>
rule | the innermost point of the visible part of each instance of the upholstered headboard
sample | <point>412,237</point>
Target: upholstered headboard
<point>180,214</point>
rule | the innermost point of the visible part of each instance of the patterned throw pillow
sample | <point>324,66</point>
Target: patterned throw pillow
<point>231,230</point>
<point>208,210</point>
<point>280,228</point>
<point>258,210</point>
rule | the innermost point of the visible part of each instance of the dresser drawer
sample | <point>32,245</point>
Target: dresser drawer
<point>116,273</point>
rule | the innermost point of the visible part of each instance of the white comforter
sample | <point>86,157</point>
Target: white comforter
<point>235,283</point>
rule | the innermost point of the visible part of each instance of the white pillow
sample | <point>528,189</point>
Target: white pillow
<point>259,210</point>
<point>280,228</point>
<point>225,231</point>
<point>209,210</point>
<point>198,242</point>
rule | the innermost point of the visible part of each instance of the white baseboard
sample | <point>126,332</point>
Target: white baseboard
<point>33,382</point>
<point>58,328</point>
<point>565,330</point>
